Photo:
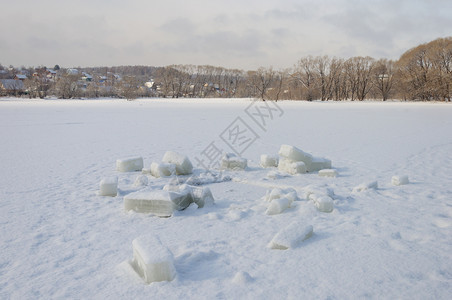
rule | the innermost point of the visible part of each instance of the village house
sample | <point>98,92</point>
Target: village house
<point>11,87</point>
<point>20,77</point>
<point>51,74</point>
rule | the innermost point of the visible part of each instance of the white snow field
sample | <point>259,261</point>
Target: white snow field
<point>59,239</point>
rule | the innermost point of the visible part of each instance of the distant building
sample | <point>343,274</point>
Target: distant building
<point>11,86</point>
<point>20,77</point>
<point>102,79</point>
<point>51,74</point>
<point>72,71</point>
<point>86,77</point>
<point>149,84</point>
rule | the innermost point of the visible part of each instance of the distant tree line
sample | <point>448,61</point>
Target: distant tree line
<point>422,73</point>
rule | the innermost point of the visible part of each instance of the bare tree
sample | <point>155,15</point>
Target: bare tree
<point>336,79</point>
<point>129,87</point>
<point>279,84</point>
<point>261,81</point>
<point>38,85</point>
<point>359,76</point>
<point>165,78</point>
<point>321,65</point>
<point>414,71</point>
<point>384,77</point>
<point>365,71</point>
<point>305,74</point>
<point>234,79</point>
<point>440,53</point>
<point>66,87</point>
<point>93,89</point>
<point>423,72</point>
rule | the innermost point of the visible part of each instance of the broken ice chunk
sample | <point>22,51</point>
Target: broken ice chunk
<point>182,198</point>
<point>291,236</point>
<point>155,169</point>
<point>273,194</point>
<point>129,164</point>
<point>399,180</point>
<point>291,194</point>
<point>291,167</point>
<point>232,162</point>
<point>322,197</point>
<point>183,164</point>
<point>298,167</point>
<point>277,193</point>
<point>109,186</point>
<point>141,180</point>
<point>158,202</point>
<point>268,161</point>
<point>315,190</point>
<point>277,206</point>
<point>151,260</point>
<point>323,203</point>
<point>317,164</point>
<point>202,196</point>
<point>328,173</point>
<point>294,154</point>
<point>162,169</point>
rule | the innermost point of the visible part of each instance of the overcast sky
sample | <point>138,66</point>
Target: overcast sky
<point>242,34</point>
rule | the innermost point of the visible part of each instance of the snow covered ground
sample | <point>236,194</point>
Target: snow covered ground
<point>59,239</point>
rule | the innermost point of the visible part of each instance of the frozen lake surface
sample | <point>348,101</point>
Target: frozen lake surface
<point>60,239</point>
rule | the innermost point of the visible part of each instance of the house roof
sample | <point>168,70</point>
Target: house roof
<point>87,75</point>
<point>11,84</point>
<point>72,71</point>
<point>21,76</point>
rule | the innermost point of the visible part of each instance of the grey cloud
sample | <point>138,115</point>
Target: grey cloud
<point>296,13</point>
<point>388,28</point>
<point>224,48</point>
<point>136,49</point>
<point>241,33</point>
<point>218,43</point>
<point>361,26</point>
<point>222,19</point>
<point>178,26</point>
<point>228,42</point>
<point>279,37</point>
<point>42,43</point>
